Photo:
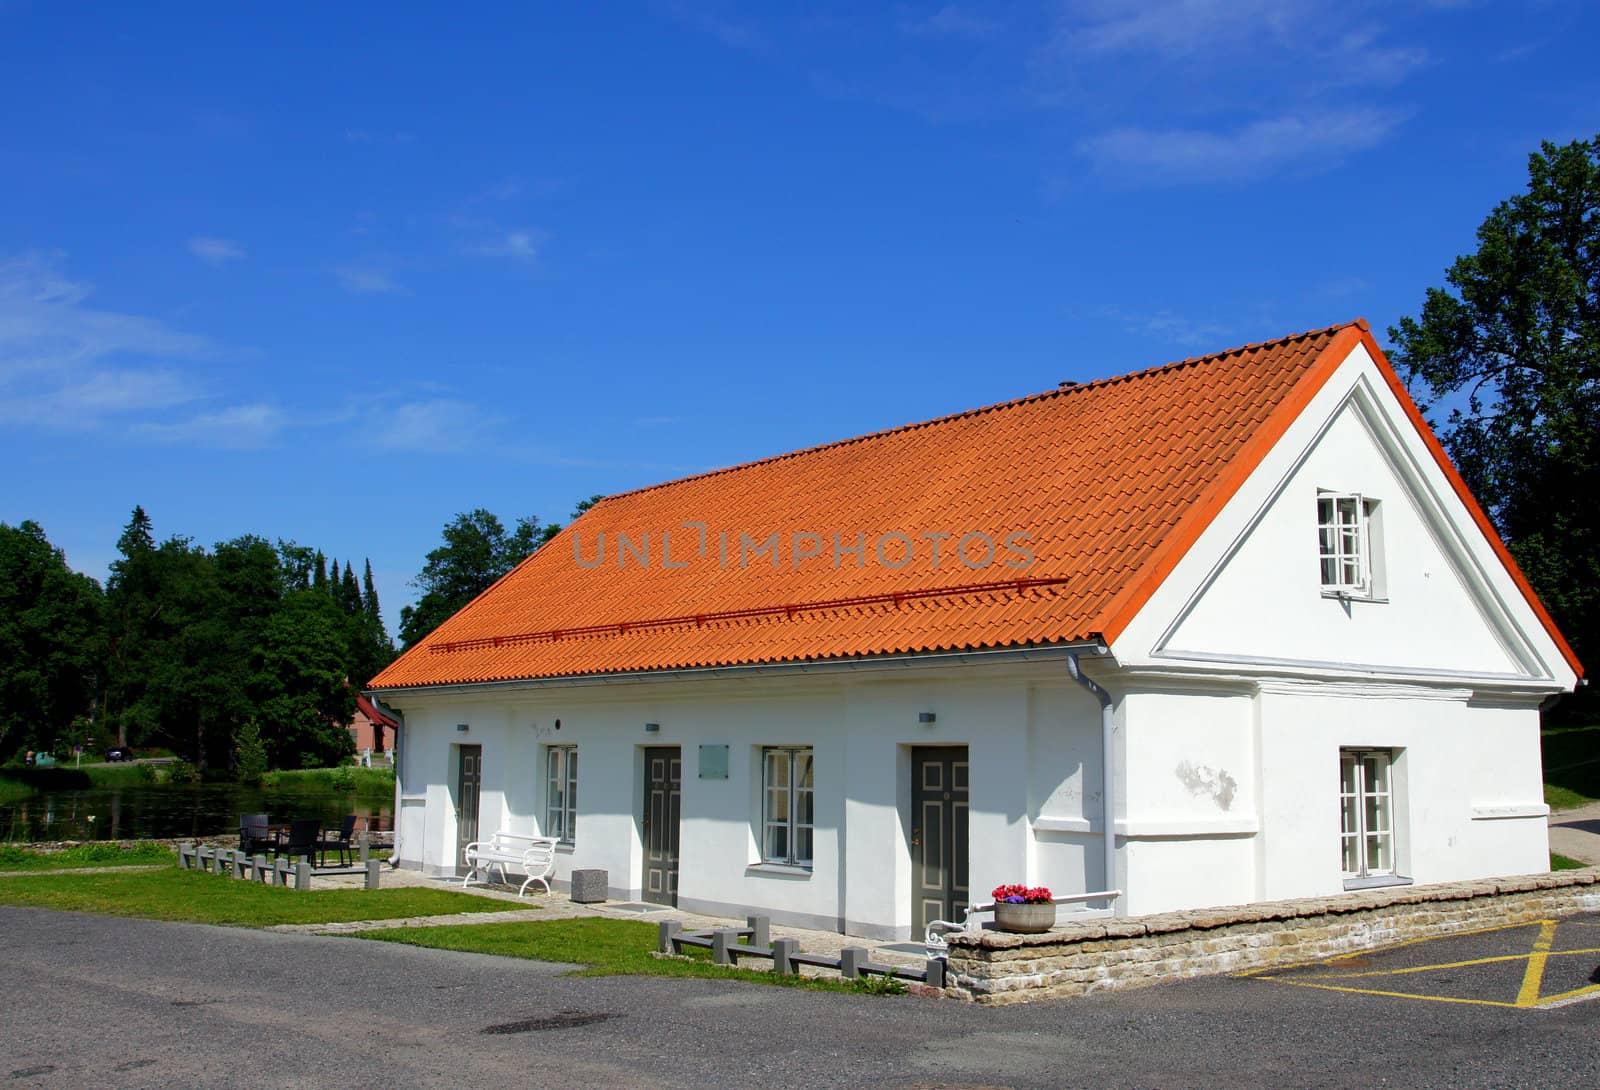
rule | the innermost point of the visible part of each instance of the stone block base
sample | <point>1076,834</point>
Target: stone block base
<point>1126,952</point>
<point>588,886</point>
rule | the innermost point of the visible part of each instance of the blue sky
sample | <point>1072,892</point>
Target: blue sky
<point>335,273</point>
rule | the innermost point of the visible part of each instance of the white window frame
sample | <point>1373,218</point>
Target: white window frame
<point>561,793</point>
<point>1347,539</point>
<point>1368,813</point>
<point>788,805</point>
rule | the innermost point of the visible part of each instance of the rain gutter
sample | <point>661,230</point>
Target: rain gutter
<point>1046,653</point>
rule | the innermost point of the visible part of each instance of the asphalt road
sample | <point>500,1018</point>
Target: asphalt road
<point>91,1001</point>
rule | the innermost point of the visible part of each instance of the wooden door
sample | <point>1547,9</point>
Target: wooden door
<point>469,777</point>
<point>938,834</point>
<point>663,786</point>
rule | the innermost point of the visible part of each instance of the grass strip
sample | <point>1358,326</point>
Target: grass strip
<point>1563,862</point>
<point>193,897</point>
<point>364,782</point>
<point>84,855</point>
<point>1571,766</point>
<point>13,790</point>
<point>603,947</point>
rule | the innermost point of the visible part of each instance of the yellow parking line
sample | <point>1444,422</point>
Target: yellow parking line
<point>1566,997</point>
<point>1391,947</point>
<point>1458,964</point>
<point>1528,997</point>
<point>1391,995</point>
<point>1533,979</point>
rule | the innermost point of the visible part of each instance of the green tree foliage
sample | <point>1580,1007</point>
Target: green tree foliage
<point>297,682</point>
<point>51,642</point>
<point>1512,349</point>
<point>477,550</point>
<point>350,592</point>
<point>369,596</point>
<point>250,762</point>
<point>208,648</point>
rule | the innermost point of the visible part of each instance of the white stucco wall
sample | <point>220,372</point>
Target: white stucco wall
<point>1015,723</point>
<point>1236,686</point>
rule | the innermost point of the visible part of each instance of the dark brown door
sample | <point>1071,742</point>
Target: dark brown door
<point>468,780</point>
<point>938,834</point>
<point>663,785</point>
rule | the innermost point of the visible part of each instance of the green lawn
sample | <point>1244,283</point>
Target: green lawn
<point>1571,766</point>
<point>193,897</point>
<point>366,782</point>
<point>84,855</point>
<point>11,790</point>
<point>602,947</point>
<point>1562,862</point>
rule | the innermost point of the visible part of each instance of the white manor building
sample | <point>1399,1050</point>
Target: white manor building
<point>855,686</point>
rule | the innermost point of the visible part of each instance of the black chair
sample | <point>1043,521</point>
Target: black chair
<point>253,834</point>
<point>303,834</point>
<point>340,842</point>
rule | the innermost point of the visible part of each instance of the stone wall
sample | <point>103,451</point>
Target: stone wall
<point>1078,958</point>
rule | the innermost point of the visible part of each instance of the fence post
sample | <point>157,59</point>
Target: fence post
<point>666,930</point>
<point>935,977</point>
<point>302,876</point>
<point>240,860</point>
<point>262,871</point>
<point>280,871</point>
<point>760,930</point>
<point>721,939</point>
<point>366,850</point>
<point>374,868</point>
<point>850,959</point>
<point>783,952</point>
<point>185,856</point>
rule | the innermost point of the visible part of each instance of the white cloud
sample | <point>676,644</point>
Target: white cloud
<point>366,278</point>
<point>949,21</point>
<point>68,366</point>
<point>215,251</point>
<point>1168,326</point>
<point>437,425</point>
<point>239,427</point>
<point>517,245</point>
<point>729,31</point>
<point>1177,28</point>
<point>1262,147</point>
<point>393,138</point>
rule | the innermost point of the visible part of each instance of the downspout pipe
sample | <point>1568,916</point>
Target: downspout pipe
<point>399,767</point>
<point>1108,766</point>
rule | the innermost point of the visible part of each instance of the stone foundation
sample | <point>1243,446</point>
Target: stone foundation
<point>995,967</point>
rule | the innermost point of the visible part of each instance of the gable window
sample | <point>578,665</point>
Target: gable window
<point>561,793</point>
<point>1366,817</point>
<point>1347,544</point>
<point>786,812</point>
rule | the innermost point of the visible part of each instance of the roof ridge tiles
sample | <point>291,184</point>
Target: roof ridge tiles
<point>1062,391</point>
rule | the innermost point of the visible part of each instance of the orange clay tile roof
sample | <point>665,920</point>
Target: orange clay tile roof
<point>1108,483</point>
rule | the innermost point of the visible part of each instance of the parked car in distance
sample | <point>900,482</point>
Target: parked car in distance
<point>119,753</point>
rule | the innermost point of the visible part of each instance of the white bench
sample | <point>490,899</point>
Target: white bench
<point>534,856</point>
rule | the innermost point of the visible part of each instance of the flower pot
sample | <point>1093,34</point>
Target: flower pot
<point>1028,919</point>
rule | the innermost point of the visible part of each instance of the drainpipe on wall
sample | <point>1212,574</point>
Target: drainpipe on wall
<point>399,764</point>
<point>1108,767</point>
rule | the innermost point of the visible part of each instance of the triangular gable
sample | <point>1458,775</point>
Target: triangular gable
<point>1454,602</point>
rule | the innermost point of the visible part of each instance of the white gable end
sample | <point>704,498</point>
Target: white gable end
<point>1435,599</point>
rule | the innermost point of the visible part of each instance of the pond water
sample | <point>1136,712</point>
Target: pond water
<point>137,812</point>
